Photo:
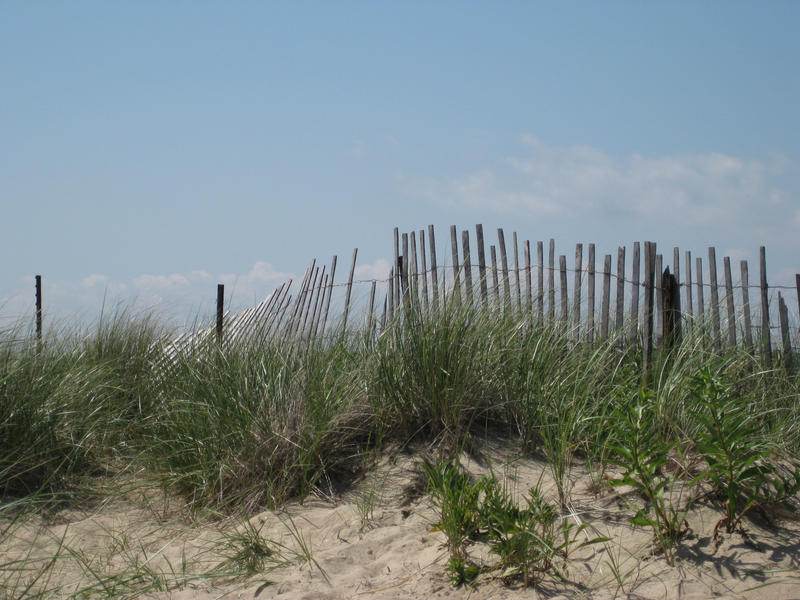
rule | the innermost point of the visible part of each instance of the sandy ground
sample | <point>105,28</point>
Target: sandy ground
<point>377,540</point>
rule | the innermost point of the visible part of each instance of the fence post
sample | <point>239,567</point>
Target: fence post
<point>220,309</point>
<point>39,311</point>
<point>349,291</point>
<point>434,267</point>
<point>590,294</point>
<point>748,331</point>
<point>482,264</point>
<point>649,276</point>
<point>576,290</point>
<point>783,313</point>
<point>467,266</point>
<point>672,310</point>
<point>766,343</point>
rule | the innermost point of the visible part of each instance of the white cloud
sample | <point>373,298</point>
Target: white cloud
<point>378,270</point>
<point>93,280</point>
<point>580,181</point>
<point>161,282</point>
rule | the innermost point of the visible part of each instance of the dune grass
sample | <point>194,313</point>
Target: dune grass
<point>235,429</point>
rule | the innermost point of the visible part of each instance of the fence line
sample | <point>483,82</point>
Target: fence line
<point>418,279</point>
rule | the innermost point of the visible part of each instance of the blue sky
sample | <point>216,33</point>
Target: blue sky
<point>149,150</point>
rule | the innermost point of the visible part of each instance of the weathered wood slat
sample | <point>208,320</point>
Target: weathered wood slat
<point>349,290</point>
<point>562,269</point>
<point>528,281</point>
<point>604,307</point>
<point>729,302</point>
<point>482,264</point>
<point>712,279</point>
<point>701,316</point>
<point>689,309</point>
<point>414,270</point>
<point>783,314</point>
<point>467,266</point>
<point>495,282</point>
<point>551,282</point>
<point>331,283</point>
<point>396,264</point>
<point>424,268</point>
<point>371,307</point>
<point>659,297</point>
<point>748,328</point>
<point>404,278</point>
<point>434,267</point>
<point>766,343</point>
<point>391,293</point>
<point>456,265</point>
<point>590,293</point>
<point>540,283</point>
<point>576,289</point>
<point>649,292</point>
<point>634,314</point>
<point>516,273</point>
<point>501,241</point>
<point>620,299</point>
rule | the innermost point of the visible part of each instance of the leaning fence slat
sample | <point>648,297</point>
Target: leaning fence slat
<point>766,343</point>
<point>330,293</point>
<point>576,289</point>
<point>590,294</point>
<point>309,301</point>
<point>701,315</point>
<point>689,310</point>
<point>482,264</point>
<point>423,260</point>
<point>294,317</point>
<point>551,282</point>
<point>467,266</point>
<point>712,279</point>
<point>456,265</point>
<point>620,299</point>
<point>528,282</point>
<point>562,269</point>
<point>434,267</point>
<point>38,285</point>
<point>390,294</point>
<point>349,290</point>
<point>634,315</point>
<point>604,306</point>
<point>659,296</point>
<point>414,267</point>
<point>783,314</point>
<point>404,279</point>
<point>371,307</point>
<point>748,328</point>
<point>396,262</point>
<point>516,273</point>
<point>323,284</point>
<point>220,310</point>
<point>647,319</point>
<point>495,280</point>
<point>729,301</point>
<point>501,241</point>
<point>797,285</point>
<point>540,283</point>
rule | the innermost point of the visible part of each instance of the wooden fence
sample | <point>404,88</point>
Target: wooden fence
<point>641,300</point>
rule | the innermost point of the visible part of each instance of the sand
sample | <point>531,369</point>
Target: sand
<point>377,540</point>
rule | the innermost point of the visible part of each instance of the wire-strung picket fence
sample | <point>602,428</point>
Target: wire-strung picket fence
<point>642,302</point>
<point>645,302</point>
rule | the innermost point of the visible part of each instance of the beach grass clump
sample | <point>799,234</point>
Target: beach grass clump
<point>436,374</point>
<point>255,425</point>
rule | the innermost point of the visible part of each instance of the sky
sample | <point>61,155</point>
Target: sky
<point>150,150</point>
